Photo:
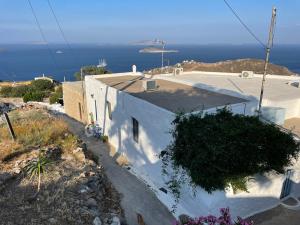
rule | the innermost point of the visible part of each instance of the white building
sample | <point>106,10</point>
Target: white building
<point>138,120</point>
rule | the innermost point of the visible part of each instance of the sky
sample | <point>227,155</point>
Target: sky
<point>130,21</point>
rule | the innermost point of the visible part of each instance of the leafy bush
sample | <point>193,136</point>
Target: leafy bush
<point>19,91</point>
<point>224,219</point>
<point>91,70</point>
<point>42,85</point>
<point>35,89</point>
<point>34,96</point>
<point>58,94</point>
<point>5,91</point>
<point>221,150</point>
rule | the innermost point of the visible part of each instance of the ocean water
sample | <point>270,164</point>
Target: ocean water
<point>24,62</point>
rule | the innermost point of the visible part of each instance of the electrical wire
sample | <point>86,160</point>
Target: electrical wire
<point>58,25</point>
<point>244,24</point>
<point>42,33</point>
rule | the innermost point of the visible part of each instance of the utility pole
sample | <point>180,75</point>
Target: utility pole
<point>162,60</point>
<point>268,49</point>
<point>163,44</point>
<point>10,128</point>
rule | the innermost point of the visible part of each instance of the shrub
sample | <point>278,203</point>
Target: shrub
<point>34,96</point>
<point>222,150</point>
<point>58,94</point>
<point>42,85</point>
<point>5,91</point>
<point>19,91</point>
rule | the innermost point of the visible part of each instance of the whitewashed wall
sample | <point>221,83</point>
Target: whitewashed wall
<point>154,136</point>
<point>154,125</point>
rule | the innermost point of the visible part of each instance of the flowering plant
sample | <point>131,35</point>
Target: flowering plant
<point>224,219</point>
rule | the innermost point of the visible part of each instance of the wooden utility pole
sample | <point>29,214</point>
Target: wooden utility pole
<point>268,49</point>
<point>12,133</point>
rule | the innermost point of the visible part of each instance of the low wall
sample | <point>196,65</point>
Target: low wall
<point>74,101</point>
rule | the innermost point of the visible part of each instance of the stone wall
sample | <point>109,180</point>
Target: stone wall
<point>74,100</point>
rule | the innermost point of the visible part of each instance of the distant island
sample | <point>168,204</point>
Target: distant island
<point>229,66</point>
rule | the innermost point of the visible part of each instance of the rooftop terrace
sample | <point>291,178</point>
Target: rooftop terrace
<point>276,89</point>
<point>171,95</point>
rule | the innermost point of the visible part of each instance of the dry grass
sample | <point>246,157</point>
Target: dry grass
<point>14,84</point>
<point>34,129</point>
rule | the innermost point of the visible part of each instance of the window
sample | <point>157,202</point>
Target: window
<point>109,110</point>
<point>135,130</point>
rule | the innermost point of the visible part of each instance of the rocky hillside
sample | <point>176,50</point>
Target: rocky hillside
<point>230,66</point>
<point>73,188</point>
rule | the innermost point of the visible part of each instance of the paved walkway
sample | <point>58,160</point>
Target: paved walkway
<point>136,197</point>
<point>277,216</point>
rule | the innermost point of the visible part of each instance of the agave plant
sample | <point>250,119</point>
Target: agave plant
<point>36,167</point>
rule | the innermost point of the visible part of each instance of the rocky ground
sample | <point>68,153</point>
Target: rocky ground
<point>74,189</point>
<point>230,66</point>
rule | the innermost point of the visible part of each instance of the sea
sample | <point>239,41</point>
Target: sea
<point>24,62</point>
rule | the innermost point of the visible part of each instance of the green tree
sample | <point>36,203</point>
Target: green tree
<point>42,85</point>
<point>91,70</point>
<point>36,96</point>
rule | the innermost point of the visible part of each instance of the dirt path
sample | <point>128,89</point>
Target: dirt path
<point>136,197</point>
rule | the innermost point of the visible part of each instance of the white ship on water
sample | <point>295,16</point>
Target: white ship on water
<point>102,63</point>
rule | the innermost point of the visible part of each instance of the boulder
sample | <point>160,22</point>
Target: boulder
<point>91,202</point>
<point>115,221</point>
<point>79,154</point>
<point>54,153</point>
<point>97,221</point>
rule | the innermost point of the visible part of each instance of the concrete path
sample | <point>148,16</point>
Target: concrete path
<point>136,197</point>
<point>277,216</point>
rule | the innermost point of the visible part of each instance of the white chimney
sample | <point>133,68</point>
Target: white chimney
<point>134,68</point>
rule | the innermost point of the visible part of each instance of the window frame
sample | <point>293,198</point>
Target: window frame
<point>108,104</point>
<point>135,129</point>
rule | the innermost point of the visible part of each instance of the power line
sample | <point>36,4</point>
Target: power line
<point>58,24</point>
<point>244,24</point>
<point>42,33</point>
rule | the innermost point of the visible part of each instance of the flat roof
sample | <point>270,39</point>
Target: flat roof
<point>276,89</point>
<point>171,95</point>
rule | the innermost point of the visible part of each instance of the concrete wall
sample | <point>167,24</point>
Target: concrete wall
<point>154,136</point>
<point>74,101</point>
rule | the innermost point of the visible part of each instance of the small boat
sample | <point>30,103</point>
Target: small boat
<point>102,63</point>
<point>59,52</point>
